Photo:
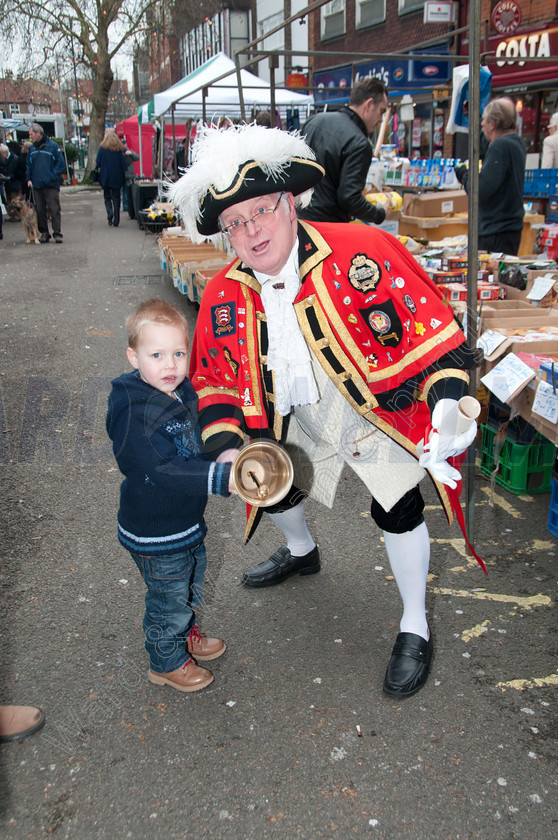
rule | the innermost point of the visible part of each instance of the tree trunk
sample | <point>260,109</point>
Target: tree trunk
<point>101,86</point>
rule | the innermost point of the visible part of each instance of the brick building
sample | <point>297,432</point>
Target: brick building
<point>517,31</point>
<point>386,27</point>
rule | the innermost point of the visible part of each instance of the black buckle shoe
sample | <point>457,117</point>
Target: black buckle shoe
<point>280,566</point>
<point>408,668</point>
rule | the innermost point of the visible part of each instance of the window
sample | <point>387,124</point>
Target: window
<point>369,12</point>
<point>333,19</point>
<point>409,6</point>
<point>274,42</point>
<point>14,109</point>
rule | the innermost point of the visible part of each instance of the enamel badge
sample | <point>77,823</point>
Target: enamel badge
<point>223,319</point>
<point>385,323</point>
<point>364,273</point>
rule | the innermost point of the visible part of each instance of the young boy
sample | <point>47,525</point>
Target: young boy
<point>152,421</point>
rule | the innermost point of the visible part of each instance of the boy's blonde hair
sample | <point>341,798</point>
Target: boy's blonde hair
<point>154,311</point>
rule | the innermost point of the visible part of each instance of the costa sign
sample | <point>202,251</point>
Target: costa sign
<point>534,45</point>
<point>506,17</point>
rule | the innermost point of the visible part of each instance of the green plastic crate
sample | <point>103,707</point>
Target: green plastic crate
<point>523,468</point>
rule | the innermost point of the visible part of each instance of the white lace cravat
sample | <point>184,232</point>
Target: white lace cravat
<point>288,355</point>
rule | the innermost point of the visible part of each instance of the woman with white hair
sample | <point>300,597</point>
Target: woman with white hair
<point>550,145</point>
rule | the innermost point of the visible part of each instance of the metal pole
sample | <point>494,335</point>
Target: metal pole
<point>240,91</point>
<point>472,233</point>
<point>174,164</point>
<point>63,122</point>
<point>273,63</point>
<point>140,126</point>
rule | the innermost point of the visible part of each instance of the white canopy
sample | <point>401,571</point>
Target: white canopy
<point>222,98</point>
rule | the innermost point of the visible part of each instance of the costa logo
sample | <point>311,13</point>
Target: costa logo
<point>506,17</point>
<point>536,45</point>
<point>398,73</point>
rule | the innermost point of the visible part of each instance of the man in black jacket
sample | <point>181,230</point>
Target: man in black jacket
<point>340,142</point>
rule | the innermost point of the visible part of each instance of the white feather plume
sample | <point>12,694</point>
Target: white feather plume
<point>217,155</point>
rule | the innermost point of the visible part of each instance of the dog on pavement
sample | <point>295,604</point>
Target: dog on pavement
<point>19,208</point>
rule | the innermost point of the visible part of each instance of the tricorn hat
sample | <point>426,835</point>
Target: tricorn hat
<point>239,162</point>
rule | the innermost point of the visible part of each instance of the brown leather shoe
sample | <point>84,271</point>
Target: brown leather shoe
<point>203,648</point>
<point>190,677</point>
<point>19,721</point>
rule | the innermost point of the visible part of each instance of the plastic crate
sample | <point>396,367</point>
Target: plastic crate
<point>523,467</point>
<point>553,510</point>
<point>517,429</point>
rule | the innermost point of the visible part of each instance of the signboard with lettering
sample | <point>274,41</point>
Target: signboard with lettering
<point>442,12</point>
<point>509,65</point>
<point>334,86</point>
<point>506,17</point>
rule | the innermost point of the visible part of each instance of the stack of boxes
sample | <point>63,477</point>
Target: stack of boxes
<point>519,446</point>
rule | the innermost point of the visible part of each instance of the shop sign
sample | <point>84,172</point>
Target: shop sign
<point>296,80</point>
<point>443,12</point>
<point>506,17</point>
<point>508,58</point>
<point>536,45</point>
<point>394,72</point>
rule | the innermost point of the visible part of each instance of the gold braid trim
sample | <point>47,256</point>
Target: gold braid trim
<point>447,373</point>
<point>253,353</point>
<point>217,428</point>
<point>211,391</point>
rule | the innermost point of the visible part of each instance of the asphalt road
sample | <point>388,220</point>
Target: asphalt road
<point>271,749</point>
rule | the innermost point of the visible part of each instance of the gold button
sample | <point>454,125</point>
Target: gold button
<point>310,300</point>
<point>368,406</point>
<point>263,360</point>
<point>325,342</point>
<point>260,316</point>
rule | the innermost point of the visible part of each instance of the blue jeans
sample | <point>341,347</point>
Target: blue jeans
<point>174,586</point>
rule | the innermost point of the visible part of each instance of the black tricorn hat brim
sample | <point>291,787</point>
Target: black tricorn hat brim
<point>250,181</point>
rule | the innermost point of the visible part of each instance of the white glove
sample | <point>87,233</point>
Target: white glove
<point>446,440</point>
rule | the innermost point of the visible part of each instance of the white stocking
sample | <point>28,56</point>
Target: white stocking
<point>293,525</point>
<point>409,556</point>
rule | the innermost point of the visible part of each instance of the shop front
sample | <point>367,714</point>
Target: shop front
<point>425,81</point>
<point>520,70</point>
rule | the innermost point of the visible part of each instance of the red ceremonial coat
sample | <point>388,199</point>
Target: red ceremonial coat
<point>373,318</point>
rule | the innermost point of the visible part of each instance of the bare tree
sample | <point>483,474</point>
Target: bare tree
<point>93,31</point>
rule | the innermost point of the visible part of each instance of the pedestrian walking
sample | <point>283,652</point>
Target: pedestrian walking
<point>112,174</point>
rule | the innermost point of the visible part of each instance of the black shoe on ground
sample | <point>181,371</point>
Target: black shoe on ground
<point>110,222</point>
<point>43,238</point>
<point>280,566</point>
<point>58,238</point>
<point>408,668</point>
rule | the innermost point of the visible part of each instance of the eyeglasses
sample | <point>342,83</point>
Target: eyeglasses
<point>238,226</point>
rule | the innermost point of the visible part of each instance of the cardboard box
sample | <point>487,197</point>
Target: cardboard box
<point>506,305</point>
<point>523,404</point>
<point>434,229</point>
<point>533,320</point>
<point>551,297</point>
<point>430,204</point>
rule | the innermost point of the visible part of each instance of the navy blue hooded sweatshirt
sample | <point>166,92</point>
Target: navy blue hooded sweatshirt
<point>158,447</point>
